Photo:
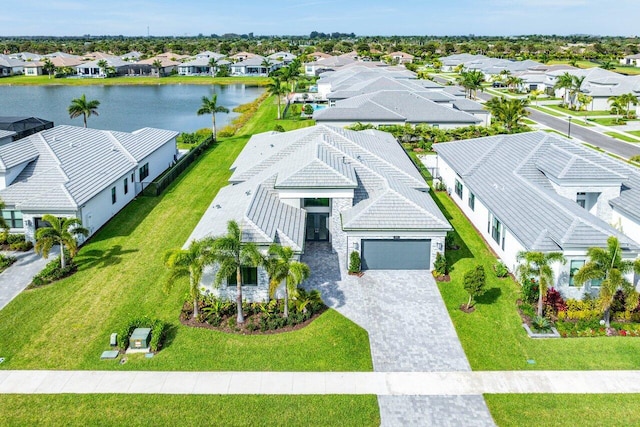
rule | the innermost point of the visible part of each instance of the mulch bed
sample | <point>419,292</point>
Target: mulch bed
<point>466,309</point>
<point>186,318</point>
<point>444,278</point>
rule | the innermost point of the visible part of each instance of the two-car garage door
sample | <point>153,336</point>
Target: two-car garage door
<point>399,254</point>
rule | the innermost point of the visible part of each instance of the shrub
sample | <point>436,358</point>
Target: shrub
<point>440,265</point>
<point>449,241</point>
<point>53,272</point>
<point>354,262</point>
<point>440,186</point>
<point>158,332</point>
<point>635,158</point>
<point>529,291</point>
<point>308,110</point>
<point>23,246</point>
<point>474,283</point>
<point>15,238</point>
<point>278,128</point>
<point>541,324</point>
<point>501,269</point>
<point>6,261</point>
<point>554,301</point>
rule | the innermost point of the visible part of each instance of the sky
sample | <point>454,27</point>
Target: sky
<point>300,17</point>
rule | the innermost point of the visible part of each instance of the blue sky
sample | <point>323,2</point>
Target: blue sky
<point>363,17</point>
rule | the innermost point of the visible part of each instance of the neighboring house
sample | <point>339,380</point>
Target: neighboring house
<point>589,74</point>
<point>33,68</point>
<point>285,57</point>
<point>26,56</point>
<point>352,77</point>
<point>23,126</point>
<point>394,107</point>
<point>168,66</point>
<point>319,55</point>
<point>326,64</point>
<point>538,77</point>
<point>71,171</point>
<point>633,60</point>
<point>542,192</point>
<point>449,63</point>
<point>11,66</point>
<point>253,66</point>
<point>401,57</point>
<point>200,65</point>
<point>604,88</point>
<point>133,56</point>
<point>92,69</point>
<point>242,56</point>
<point>357,191</point>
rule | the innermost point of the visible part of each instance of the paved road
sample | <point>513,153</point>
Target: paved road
<point>407,384</point>
<point>587,135</point>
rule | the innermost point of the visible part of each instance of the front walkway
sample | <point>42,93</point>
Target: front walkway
<point>17,277</point>
<point>409,331</point>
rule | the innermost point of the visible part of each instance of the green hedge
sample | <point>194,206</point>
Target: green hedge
<point>158,332</point>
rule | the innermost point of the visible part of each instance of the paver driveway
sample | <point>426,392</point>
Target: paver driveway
<point>409,331</point>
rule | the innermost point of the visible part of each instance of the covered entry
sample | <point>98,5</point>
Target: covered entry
<point>396,254</point>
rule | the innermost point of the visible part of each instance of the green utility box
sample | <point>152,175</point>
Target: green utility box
<point>140,338</point>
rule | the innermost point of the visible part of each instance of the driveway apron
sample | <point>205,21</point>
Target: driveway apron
<point>17,277</point>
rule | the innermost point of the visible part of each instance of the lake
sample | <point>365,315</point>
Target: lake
<point>128,108</point>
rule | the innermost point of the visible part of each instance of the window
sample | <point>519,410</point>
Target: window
<point>133,177</point>
<point>496,230</point>
<point>144,171</point>
<point>581,199</point>
<point>459,188</point>
<point>113,195</point>
<point>574,266</point>
<point>472,201</point>
<point>311,203</point>
<point>126,186</point>
<point>13,218</point>
<point>249,277</point>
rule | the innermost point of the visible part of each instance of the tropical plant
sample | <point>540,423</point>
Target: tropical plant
<point>48,67</point>
<point>61,231</point>
<point>565,81</point>
<point>514,83</point>
<point>3,223</point>
<point>617,107</point>
<point>286,269</point>
<point>103,65</point>
<point>157,64</point>
<point>82,107</point>
<point>584,100</point>
<point>574,90</point>
<point>474,283</point>
<point>275,88</point>
<point>354,262</point>
<point>231,254</point>
<point>508,112</point>
<point>190,261</point>
<point>441,265</point>
<point>210,106</point>
<point>607,64</point>
<point>534,94</point>
<point>213,65</point>
<point>266,64</point>
<point>537,265</point>
<point>607,265</point>
<point>628,99</point>
<point>471,81</point>
<point>291,73</point>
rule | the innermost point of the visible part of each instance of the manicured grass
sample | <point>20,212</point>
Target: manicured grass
<point>579,64</point>
<point>622,137</point>
<point>547,410</point>
<point>120,81</point>
<point>555,131</point>
<point>576,114</point>
<point>548,111</point>
<point>121,274</point>
<point>168,410</point>
<point>528,122</point>
<point>493,337</point>
<point>611,121</point>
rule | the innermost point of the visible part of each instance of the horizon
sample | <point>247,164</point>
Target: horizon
<point>162,18</point>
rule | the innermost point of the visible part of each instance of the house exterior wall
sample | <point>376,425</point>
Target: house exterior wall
<point>629,226</point>
<point>159,160</point>
<point>602,208</point>
<point>338,236</point>
<point>32,71</point>
<point>28,220</point>
<point>10,175</point>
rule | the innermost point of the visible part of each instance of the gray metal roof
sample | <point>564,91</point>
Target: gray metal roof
<point>393,107</point>
<point>505,173</point>
<point>6,133</point>
<point>16,153</point>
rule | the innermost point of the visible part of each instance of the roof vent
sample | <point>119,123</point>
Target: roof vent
<point>248,192</point>
<point>114,148</point>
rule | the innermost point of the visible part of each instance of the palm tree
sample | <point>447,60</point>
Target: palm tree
<point>565,81</point>
<point>157,64</point>
<point>103,65</point>
<point>537,264</point>
<point>61,231</point>
<point>210,106</point>
<point>48,67</point>
<point>266,64</point>
<point>291,73</point>
<point>213,65</point>
<point>607,265</point>
<point>471,81</point>
<point>617,107</point>
<point>509,112</point>
<point>3,224</point>
<point>629,99</point>
<point>584,100</point>
<point>275,88</point>
<point>82,107</point>
<point>574,90</point>
<point>231,254</point>
<point>191,261</point>
<point>284,268</point>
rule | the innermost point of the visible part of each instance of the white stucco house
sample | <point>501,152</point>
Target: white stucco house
<point>77,172</point>
<point>542,192</point>
<point>355,191</point>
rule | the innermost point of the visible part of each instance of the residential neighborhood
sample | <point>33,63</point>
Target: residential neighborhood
<point>332,229</point>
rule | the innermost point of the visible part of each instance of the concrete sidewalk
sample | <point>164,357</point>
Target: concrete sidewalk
<point>278,383</point>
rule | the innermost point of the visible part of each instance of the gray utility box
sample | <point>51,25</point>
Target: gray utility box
<point>140,338</point>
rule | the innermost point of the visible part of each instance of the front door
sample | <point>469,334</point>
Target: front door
<point>317,226</point>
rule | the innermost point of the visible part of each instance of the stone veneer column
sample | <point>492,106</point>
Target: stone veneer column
<point>338,236</point>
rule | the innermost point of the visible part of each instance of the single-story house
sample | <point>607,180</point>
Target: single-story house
<point>401,57</point>
<point>92,69</point>
<point>356,191</point>
<point>10,66</point>
<point>241,56</point>
<point>449,63</point>
<point>395,107</point>
<point>542,192</point>
<point>24,126</point>
<point>133,56</point>
<point>633,60</point>
<point>33,68</point>
<point>326,64</point>
<point>167,65</point>
<point>254,66</point>
<point>285,57</point>
<point>201,64</point>
<point>601,90</point>
<point>72,171</point>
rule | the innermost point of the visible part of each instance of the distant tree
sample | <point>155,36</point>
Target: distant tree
<point>474,283</point>
<point>82,107</point>
<point>607,64</point>
<point>157,64</point>
<point>213,65</point>
<point>584,100</point>
<point>617,107</point>
<point>471,81</point>
<point>61,231</point>
<point>210,106</point>
<point>266,64</point>
<point>275,88</point>
<point>508,112</point>
<point>48,67</point>
<point>103,65</point>
<point>607,265</point>
<point>565,81</point>
<point>537,265</point>
<point>628,99</point>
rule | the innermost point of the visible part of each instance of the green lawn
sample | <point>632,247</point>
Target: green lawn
<point>579,64</point>
<point>622,137</point>
<point>67,325</point>
<point>114,81</point>
<point>562,410</point>
<point>577,114</point>
<point>172,410</point>
<point>492,336</point>
<point>547,111</point>
<point>610,121</point>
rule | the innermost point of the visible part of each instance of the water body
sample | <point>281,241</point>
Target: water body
<point>128,108</point>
